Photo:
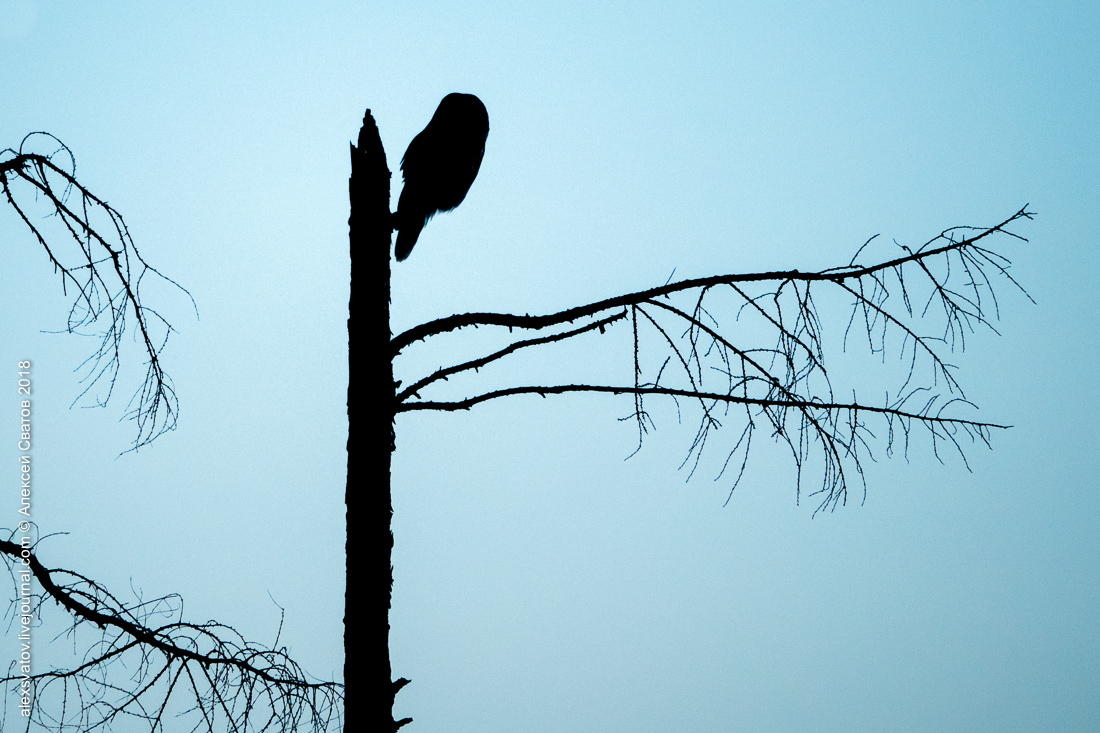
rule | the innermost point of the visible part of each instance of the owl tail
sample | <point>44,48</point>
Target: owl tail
<point>407,236</point>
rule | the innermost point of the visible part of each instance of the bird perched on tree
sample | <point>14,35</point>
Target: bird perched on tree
<point>440,165</point>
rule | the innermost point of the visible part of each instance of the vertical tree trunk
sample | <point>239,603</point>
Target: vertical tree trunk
<point>369,690</point>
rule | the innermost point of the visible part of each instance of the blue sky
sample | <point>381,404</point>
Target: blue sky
<point>542,582</point>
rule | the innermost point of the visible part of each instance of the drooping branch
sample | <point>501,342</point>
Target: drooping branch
<point>106,271</point>
<point>207,671</point>
<point>786,383</point>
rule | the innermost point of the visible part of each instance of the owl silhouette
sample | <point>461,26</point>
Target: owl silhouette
<point>440,165</point>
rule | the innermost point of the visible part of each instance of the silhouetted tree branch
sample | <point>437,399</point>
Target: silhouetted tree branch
<point>784,383</point>
<point>973,256</point>
<point>147,663</point>
<point>143,661</point>
<point>93,252</point>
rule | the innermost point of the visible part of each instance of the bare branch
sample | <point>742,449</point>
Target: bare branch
<point>106,271</point>
<point>476,364</point>
<point>237,681</point>
<point>543,391</point>
<point>837,274</point>
<point>786,384</point>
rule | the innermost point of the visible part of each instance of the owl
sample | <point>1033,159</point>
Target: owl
<point>440,165</point>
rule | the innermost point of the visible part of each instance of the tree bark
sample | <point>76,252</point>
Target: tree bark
<point>369,691</point>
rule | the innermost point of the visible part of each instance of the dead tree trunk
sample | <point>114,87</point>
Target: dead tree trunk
<point>370,689</point>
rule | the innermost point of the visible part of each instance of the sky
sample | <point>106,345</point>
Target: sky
<point>543,581</point>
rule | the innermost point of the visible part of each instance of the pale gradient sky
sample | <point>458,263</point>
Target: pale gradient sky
<point>541,582</point>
